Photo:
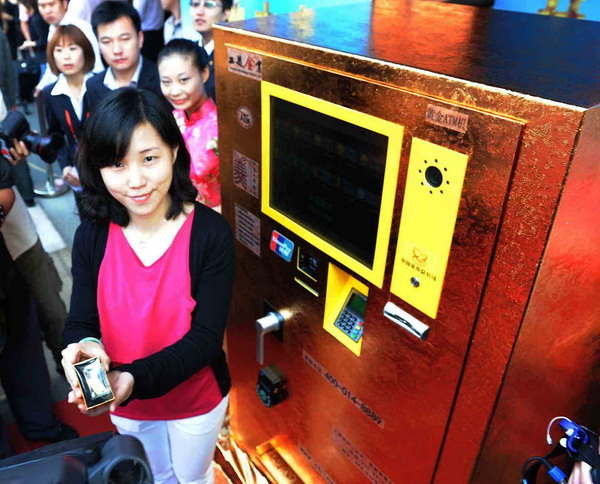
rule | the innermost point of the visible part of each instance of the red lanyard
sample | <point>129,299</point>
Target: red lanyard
<point>68,117</point>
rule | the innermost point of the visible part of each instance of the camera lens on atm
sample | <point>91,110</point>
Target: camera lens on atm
<point>434,176</point>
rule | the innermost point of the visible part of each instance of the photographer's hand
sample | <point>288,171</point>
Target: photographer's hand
<point>581,474</point>
<point>18,153</point>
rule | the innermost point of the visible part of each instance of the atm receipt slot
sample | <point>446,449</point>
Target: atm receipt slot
<point>406,321</point>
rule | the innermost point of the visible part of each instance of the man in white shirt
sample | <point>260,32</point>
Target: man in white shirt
<point>118,28</point>
<point>173,28</point>
<point>206,13</point>
<point>55,12</point>
<point>82,9</point>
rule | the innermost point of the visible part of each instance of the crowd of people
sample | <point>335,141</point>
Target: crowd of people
<point>152,258</point>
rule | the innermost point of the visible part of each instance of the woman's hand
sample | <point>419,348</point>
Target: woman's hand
<point>581,474</point>
<point>28,44</point>
<point>18,152</point>
<point>76,352</point>
<point>121,383</point>
<point>71,177</point>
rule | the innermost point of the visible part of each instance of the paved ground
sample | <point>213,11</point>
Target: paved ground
<point>60,210</point>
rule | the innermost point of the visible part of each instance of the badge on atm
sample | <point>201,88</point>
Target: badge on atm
<point>282,246</point>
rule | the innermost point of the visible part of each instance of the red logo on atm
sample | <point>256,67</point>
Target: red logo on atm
<point>419,257</point>
<point>274,238</point>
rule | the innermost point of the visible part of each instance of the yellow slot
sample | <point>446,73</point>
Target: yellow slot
<point>339,285</point>
<point>433,189</point>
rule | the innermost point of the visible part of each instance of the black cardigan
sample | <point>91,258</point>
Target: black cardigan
<point>56,108</point>
<point>211,271</point>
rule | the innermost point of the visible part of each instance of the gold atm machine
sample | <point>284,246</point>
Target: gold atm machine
<point>414,189</point>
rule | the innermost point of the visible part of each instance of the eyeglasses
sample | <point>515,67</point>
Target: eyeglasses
<point>205,4</point>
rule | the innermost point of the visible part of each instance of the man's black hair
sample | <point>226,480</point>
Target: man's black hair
<point>106,139</point>
<point>108,11</point>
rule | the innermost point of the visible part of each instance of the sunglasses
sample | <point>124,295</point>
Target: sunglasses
<point>205,4</point>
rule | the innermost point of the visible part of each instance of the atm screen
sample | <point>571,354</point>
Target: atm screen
<point>358,304</point>
<point>327,176</point>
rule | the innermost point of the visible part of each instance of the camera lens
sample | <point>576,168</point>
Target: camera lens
<point>434,176</point>
<point>13,126</point>
<point>46,147</point>
<point>127,472</point>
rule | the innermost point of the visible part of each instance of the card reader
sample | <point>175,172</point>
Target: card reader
<point>351,319</point>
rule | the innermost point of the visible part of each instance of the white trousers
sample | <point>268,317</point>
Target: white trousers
<point>179,451</point>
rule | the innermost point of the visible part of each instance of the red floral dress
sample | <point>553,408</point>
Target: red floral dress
<point>200,133</point>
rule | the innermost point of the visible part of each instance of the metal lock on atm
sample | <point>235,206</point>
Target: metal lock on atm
<point>271,386</point>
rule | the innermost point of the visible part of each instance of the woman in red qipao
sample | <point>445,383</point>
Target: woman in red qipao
<point>183,69</point>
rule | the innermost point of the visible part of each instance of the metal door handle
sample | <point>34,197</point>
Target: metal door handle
<point>267,324</point>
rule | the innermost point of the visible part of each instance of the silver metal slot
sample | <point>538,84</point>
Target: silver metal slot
<point>406,321</point>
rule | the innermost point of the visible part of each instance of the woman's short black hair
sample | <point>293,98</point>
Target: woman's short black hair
<point>110,10</point>
<point>106,140</point>
<point>186,48</point>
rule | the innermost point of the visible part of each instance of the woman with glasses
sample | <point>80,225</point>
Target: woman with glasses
<point>183,69</point>
<point>206,13</point>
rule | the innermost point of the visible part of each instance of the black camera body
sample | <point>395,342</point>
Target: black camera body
<point>106,458</point>
<point>16,126</point>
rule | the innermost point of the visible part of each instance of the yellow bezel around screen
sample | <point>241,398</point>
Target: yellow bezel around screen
<point>393,132</point>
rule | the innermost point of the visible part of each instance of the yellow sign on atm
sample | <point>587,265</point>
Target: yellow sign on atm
<point>433,190</point>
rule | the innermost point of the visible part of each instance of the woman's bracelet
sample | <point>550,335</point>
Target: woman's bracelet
<point>92,340</point>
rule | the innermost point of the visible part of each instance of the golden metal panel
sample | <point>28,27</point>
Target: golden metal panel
<point>423,376</point>
<point>512,266</point>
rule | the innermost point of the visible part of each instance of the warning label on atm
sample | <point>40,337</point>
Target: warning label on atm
<point>247,229</point>
<point>333,381</point>
<point>245,173</point>
<point>359,459</point>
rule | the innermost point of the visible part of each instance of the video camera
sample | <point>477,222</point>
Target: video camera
<point>16,126</point>
<point>106,458</point>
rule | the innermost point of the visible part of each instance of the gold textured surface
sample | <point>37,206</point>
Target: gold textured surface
<point>440,393</point>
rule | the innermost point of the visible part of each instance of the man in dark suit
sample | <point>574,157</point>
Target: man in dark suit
<point>118,28</point>
<point>205,13</point>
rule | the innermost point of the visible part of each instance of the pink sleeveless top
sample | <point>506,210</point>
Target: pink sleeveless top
<point>142,310</point>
